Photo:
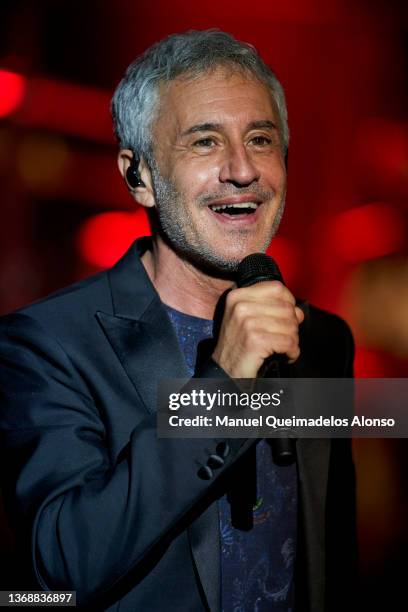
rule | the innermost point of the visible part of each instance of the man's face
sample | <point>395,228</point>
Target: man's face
<point>219,175</point>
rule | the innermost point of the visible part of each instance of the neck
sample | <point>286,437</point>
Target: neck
<point>181,285</point>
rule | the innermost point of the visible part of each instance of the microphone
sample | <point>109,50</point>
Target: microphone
<point>256,268</point>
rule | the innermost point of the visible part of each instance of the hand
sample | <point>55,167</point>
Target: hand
<point>258,321</point>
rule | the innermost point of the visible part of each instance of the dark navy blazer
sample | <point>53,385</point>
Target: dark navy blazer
<point>99,503</point>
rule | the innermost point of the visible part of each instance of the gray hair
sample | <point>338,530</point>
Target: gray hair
<point>193,53</point>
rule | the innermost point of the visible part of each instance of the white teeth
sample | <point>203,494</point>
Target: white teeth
<point>253,205</point>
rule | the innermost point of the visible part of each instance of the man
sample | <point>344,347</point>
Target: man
<point>101,505</point>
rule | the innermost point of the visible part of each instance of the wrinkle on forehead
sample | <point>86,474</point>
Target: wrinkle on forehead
<point>215,78</point>
<point>189,92</point>
<point>221,71</point>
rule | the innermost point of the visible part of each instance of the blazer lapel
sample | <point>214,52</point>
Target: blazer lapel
<point>147,349</point>
<point>139,329</point>
<point>142,336</point>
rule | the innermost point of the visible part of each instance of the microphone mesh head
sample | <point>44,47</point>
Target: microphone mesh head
<point>256,268</point>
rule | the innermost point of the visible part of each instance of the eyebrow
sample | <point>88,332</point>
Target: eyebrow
<point>202,127</point>
<point>217,127</point>
<point>263,123</point>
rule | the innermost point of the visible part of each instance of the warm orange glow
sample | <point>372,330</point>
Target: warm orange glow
<point>42,161</point>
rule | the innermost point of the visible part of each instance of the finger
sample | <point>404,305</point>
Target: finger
<point>300,315</point>
<point>282,344</point>
<point>253,312</point>
<point>266,290</point>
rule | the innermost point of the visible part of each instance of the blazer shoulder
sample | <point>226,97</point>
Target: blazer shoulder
<point>67,308</point>
<point>327,343</point>
<point>323,321</point>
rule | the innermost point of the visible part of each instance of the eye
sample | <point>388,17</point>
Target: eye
<point>204,142</point>
<point>261,141</point>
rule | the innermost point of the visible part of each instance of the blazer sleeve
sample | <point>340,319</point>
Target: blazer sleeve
<point>89,522</point>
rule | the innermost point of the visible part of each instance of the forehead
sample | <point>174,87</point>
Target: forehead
<point>222,96</point>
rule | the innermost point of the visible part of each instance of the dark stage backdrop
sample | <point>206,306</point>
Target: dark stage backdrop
<point>65,212</point>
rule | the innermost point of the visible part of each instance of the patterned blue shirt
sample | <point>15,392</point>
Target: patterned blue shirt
<point>257,566</point>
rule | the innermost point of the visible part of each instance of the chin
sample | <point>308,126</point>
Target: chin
<point>237,253</point>
<point>230,256</point>
<point>217,265</point>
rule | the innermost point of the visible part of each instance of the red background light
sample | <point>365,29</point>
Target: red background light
<point>367,232</point>
<point>12,90</point>
<point>285,252</point>
<point>104,238</point>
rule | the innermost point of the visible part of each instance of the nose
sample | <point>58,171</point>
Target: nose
<point>238,167</point>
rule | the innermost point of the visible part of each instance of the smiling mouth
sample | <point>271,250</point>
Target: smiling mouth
<point>239,208</point>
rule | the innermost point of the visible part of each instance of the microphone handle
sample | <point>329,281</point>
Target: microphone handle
<point>253,269</point>
<point>283,449</point>
<point>283,446</point>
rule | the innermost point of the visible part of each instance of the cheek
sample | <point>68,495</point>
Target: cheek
<point>276,178</point>
<point>196,177</point>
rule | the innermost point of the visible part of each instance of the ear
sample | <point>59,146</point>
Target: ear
<point>142,194</point>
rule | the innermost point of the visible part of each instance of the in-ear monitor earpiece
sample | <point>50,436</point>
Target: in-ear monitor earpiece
<point>132,173</point>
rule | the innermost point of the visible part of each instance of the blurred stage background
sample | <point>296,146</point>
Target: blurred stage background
<point>343,243</point>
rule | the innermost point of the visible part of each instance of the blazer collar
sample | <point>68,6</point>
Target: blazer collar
<point>132,291</point>
<point>139,330</point>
